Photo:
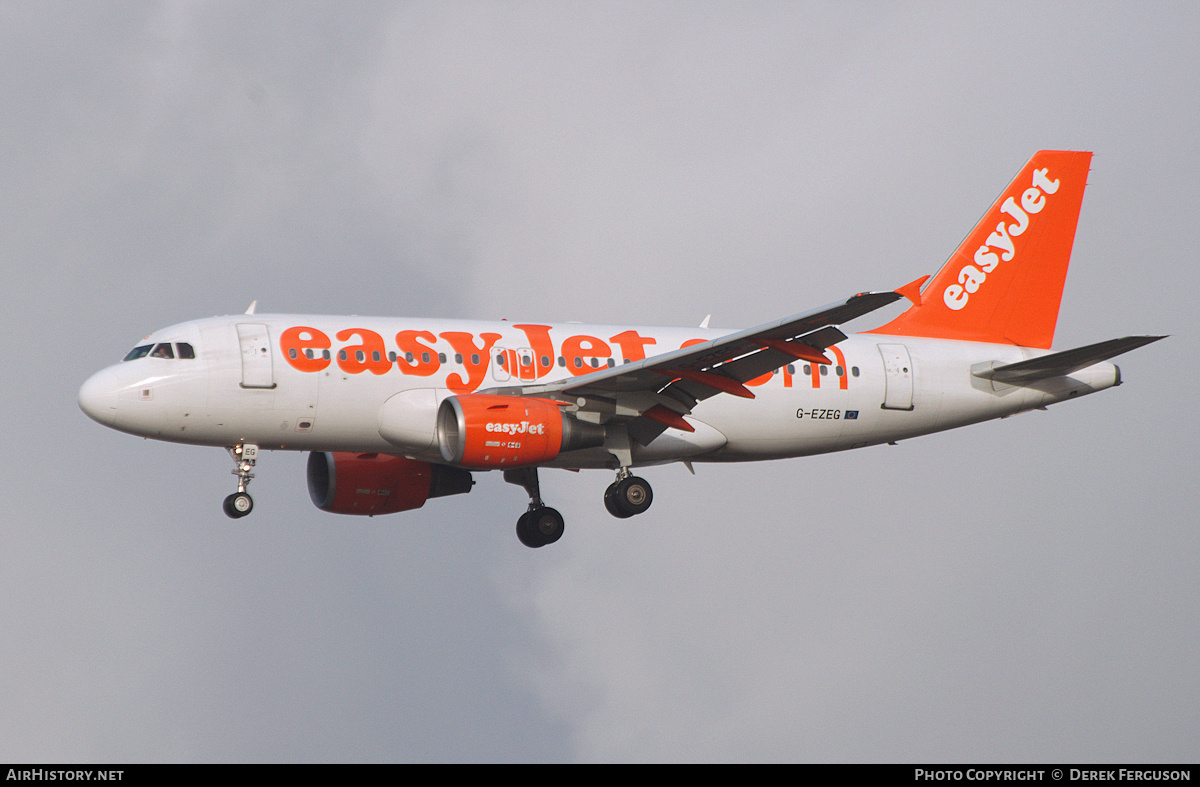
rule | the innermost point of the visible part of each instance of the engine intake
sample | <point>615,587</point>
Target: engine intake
<point>488,432</point>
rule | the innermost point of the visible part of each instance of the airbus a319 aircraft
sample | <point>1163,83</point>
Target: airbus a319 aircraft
<point>397,411</point>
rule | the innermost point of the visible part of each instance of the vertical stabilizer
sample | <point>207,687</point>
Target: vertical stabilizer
<point>1005,282</point>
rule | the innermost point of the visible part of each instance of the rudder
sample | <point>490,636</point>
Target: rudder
<point>1004,283</point>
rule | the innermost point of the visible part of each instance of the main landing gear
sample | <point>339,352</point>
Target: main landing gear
<point>628,495</point>
<point>240,503</point>
<point>541,525</point>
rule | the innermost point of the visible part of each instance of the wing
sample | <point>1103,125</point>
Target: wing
<point>657,392</point>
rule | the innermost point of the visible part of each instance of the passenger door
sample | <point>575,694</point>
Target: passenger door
<point>255,342</point>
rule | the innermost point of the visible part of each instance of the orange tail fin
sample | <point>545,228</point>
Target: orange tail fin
<point>1005,282</point>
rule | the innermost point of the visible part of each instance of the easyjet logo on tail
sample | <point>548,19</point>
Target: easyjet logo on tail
<point>1001,245</point>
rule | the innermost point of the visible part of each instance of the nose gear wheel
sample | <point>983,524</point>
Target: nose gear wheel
<point>240,503</point>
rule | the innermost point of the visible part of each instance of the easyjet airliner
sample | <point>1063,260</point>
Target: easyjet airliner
<point>396,411</point>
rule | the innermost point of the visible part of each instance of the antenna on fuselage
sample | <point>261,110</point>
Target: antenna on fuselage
<point>251,309</point>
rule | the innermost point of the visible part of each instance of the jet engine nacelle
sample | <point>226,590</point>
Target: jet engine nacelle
<point>369,484</point>
<point>487,431</point>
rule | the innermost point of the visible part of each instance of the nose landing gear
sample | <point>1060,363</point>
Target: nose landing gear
<point>240,503</point>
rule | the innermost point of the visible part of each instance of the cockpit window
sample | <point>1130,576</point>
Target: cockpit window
<point>162,350</point>
<point>139,352</point>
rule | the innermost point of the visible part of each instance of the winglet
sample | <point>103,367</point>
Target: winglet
<point>912,290</point>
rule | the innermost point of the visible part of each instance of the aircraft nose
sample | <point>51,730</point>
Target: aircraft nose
<point>98,397</point>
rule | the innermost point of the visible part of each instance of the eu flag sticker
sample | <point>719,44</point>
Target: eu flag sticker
<point>852,415</point>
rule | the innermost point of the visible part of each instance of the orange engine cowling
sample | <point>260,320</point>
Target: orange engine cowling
<point>489,432</point>
<point>369,484</point>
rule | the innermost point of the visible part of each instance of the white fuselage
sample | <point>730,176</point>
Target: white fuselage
<point>250,381</point>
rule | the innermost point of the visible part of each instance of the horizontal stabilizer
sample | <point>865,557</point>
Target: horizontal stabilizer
<point>1063,363</point>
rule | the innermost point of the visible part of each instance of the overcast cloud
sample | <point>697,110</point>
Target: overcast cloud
<point>1022,590</point>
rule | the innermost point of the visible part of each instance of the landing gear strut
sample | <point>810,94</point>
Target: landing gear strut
<point>628,495</point>
<point>240,503</point>
<point>540,525</point>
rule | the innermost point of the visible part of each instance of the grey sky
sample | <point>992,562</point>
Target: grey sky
<point>1014,591</point>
